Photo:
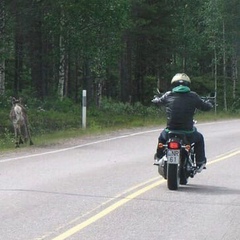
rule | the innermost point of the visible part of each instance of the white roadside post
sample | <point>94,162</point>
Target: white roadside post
<point>84,108</point>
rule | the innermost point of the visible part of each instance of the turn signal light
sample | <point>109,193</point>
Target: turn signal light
<point>174,145</point>
<point>160,145</point>
<point>188,147</point>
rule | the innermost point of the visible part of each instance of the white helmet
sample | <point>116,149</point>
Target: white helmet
<point>181,79</point>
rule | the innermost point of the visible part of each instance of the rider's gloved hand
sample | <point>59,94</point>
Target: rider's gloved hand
<point>210,101</point>
<point>156,100</point>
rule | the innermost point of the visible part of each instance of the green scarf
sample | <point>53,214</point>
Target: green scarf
<point>181,89</point>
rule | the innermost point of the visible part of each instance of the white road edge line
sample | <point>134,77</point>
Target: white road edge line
<point>93,143</point>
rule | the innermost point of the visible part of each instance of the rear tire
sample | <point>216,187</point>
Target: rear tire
<point>183,177</point>
<point>173,177</point>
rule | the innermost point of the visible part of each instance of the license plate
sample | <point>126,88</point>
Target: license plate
<point>173,156</point>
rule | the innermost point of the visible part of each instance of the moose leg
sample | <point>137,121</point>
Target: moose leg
<point>20,135</point>
<point>30,139</point>
<point>27,133</point>
<point>17,140</point>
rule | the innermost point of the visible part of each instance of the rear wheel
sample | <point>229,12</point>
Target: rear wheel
<point>183,176</point>
<point>173,177</point>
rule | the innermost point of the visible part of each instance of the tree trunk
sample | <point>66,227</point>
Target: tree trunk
<point>62,63</point>
<point>61,78</point>
<point>36,60</point>
<point>139,70</point>
<point>224,69</point>
<point>87,79</point>
<point>36,50</point>
<point>18,50</point>
<point>215,77</point>
<point>2,58</point>
<point>234,73</point>
<point>125,71</point>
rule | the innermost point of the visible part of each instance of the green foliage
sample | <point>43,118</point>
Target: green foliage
<point>140,41</point>
<point>203,85</point>
<point>114,114</point>
<point>114,107</point>
<point>48,121</point>
<point>235,106</point>
<point>59,116</point>
<point>54,123</point>
<point>6,139</point>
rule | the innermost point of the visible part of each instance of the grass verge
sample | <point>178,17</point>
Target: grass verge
<point>52,126</point>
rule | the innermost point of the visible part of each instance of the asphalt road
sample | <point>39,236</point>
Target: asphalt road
<point>106,188</point>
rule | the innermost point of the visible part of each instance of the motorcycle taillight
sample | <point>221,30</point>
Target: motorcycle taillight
<point>174,145</point>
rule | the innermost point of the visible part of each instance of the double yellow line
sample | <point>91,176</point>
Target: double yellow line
<point>106,211</point>
<point>128,198</point>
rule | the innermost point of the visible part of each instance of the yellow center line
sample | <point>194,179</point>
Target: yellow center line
<point>224,157</point>
<point>111,199</point>
<point>106,211</point>
<point>130,197</point>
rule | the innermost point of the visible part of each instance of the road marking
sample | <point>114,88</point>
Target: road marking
<point>130,197</point>
<point>225,156</point>
<point>106,211</point>
<point>120,195</point>
<point>79,146</point>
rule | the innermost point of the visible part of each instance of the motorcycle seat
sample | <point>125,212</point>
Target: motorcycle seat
<point>178,134</point>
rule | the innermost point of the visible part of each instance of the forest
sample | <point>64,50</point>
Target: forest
<point>118,49</point>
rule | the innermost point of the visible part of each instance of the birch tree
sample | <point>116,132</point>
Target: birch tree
<point>62,63</point>
<point>233,9</point>
<point>212,24</point>
<point>2,52</point>
<point>222,28</point>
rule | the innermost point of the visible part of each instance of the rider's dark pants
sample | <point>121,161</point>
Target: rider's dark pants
<point>195,137</point>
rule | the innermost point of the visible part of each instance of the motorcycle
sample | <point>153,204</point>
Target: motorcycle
<point>178,163</point>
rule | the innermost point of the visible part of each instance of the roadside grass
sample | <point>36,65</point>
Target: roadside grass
<point>51,126</point>
<point>116,123</point>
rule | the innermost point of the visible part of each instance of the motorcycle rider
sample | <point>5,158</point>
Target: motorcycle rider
<point>180,104</point>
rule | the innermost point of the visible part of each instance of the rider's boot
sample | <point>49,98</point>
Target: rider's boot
<point>158,156</point>
<point>156,160</point>
<point>200,167</point>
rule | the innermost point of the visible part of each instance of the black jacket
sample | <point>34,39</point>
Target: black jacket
<point>181,104</point>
